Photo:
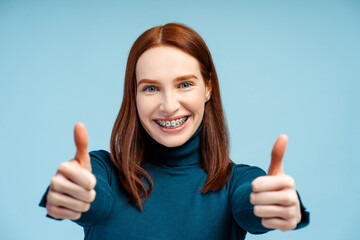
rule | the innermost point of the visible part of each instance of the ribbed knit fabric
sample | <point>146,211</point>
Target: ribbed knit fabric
<point>176,209</point>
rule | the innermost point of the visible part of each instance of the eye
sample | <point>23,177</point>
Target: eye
<point>185,85</point>
<point>150,89</point>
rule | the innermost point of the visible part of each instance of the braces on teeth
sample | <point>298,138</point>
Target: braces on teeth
<point>173,123</point>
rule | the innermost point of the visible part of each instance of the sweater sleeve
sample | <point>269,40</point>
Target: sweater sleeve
<point>101,206</point>
<point>242,209</point>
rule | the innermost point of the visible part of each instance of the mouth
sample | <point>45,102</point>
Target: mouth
<point>175,123</point>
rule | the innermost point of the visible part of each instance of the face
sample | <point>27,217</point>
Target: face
<point>171,94</point>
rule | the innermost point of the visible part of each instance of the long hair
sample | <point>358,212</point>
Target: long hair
<point>127,139</point>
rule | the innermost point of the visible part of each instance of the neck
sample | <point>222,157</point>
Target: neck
<point>187,154</point>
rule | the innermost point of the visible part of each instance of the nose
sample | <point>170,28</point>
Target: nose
<point>170,104</point>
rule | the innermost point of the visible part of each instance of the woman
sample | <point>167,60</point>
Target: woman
<point>169,175</point>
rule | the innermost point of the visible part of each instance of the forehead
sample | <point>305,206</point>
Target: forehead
<point>165,62</point>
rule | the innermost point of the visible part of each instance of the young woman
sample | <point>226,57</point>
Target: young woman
<point>169,175</point>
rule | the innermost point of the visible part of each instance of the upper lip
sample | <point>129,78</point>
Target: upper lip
<point>170,119</point>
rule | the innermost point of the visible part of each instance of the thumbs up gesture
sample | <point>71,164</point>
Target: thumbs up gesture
<point>72,188</point>
<point>274,196</point>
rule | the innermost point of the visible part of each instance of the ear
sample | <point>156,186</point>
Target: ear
<point>208,89</point>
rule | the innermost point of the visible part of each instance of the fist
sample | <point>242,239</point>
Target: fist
<point>274,196</point>
<point>72,188</point>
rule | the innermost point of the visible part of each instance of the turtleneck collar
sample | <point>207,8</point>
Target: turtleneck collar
<point>187,154</point>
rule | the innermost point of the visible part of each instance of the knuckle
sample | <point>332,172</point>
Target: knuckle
<point>252,198</point>
<point>51,198</point>
<point>293,197</point>
<point>75,216</point>
<point>290,198</point>
<point>85,207</point>
<point>92,181</point>
<point>287,199</point>
<point>291,224</point>
<point>290,182</point>
<point>257,183</point>
<point>91,195</point>
<point>55,183</point>
<point>54,211</point>
<point>291,213</point>
<point>256,210</point>
<point>288,225</point>
<point>51,209</point>
<point>253,185</point>
<point>265,223</point>
<point>63,167</point>
<point>283,226</point>
<point>88,179</point>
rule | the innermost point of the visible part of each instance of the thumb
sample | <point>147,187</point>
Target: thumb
<point>81,142</point>
<point>277,154</point>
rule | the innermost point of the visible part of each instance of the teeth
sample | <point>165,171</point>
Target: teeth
<point>173,123</point>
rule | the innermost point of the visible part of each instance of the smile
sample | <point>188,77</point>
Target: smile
<point>173,123</point>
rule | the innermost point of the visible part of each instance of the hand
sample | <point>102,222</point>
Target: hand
<point>274,196</point>
<point>72,188</point>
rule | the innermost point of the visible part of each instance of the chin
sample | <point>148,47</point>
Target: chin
<point>172,141</point>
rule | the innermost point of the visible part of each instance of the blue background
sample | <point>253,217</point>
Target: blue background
<point>284,67</point>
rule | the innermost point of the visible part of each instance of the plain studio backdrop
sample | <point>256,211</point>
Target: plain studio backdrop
<point>284,67</point>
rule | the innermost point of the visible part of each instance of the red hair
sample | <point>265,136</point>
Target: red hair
<point>127,138</point>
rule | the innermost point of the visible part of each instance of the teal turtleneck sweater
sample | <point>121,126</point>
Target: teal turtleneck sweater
<point>175,209</point>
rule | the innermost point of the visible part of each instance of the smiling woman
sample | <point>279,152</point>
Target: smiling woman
<point>169,175</point>
<point>161,59</point>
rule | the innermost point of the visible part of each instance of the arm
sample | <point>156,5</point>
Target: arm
<point>101,206</point>
<point>242,209</point>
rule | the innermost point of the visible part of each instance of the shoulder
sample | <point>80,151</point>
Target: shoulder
<point>100,156</point>
<point>101,163</point>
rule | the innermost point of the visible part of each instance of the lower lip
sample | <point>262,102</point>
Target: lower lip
<point>173,130</point>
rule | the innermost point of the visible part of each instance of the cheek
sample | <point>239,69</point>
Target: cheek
<point>143,108</point>
<point>196,103</point>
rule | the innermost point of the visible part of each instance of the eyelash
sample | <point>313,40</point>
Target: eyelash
<point>188,83</point>
<point>181,85</point>
<point>146,89</point>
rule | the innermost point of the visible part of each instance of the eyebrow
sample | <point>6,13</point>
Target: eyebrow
<point>180,78</point>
